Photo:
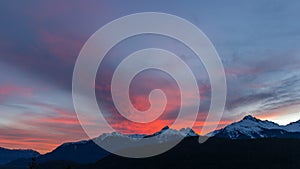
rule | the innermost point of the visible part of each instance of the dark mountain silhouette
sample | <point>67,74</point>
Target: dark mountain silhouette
<point>84,152</point>
<point>238,140</point>
<point>7,155</point>
<point>216,153</point>
<point>80,152</point>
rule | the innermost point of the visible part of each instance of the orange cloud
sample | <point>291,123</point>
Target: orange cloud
<point>42,132</point>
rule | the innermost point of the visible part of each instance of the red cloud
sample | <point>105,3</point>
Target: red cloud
<point>30,139</point>
<point>42,132</point>
<point>139,95</point>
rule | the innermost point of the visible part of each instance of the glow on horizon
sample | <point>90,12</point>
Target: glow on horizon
<point>283,116</point>
<point>258,43</point>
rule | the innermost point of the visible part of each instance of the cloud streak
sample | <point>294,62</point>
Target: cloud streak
<point>256,40</point>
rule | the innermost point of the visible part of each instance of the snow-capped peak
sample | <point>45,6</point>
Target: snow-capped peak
<point>249,117</point>
<point>189,132</point>
<point>184,132</point>
<point>251,127</point>
<point>164,134</point>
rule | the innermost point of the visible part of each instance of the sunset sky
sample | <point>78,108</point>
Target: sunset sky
<point>258,42</point>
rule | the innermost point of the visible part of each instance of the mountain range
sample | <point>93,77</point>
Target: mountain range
<point>84,152</point>
<point>252,128</point>
<point>87,151</point>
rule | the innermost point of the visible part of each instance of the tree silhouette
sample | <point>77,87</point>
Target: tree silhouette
<point>32,165</point>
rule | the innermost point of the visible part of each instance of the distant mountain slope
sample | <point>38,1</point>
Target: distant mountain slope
<point>251,128</point>
<point>84,152</point>
<point>216,153</point>
<point>7,155</point>
<point>77,152</point>
<point>80,152</point>
<point>293,127</point>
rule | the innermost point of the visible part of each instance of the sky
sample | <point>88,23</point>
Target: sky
<point>258,42</point>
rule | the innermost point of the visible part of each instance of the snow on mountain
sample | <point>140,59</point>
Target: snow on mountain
<point>293,127</point>
<point>184,132</point>
<point>251,127</point>
<point>137,136</point>
<point>167,134</point>
<point>88,151</point>
<point>189,132</point>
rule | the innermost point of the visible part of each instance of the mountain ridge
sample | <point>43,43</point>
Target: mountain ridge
<point>7,155</point>
<point>87,151</point>
<point>251,128</point>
